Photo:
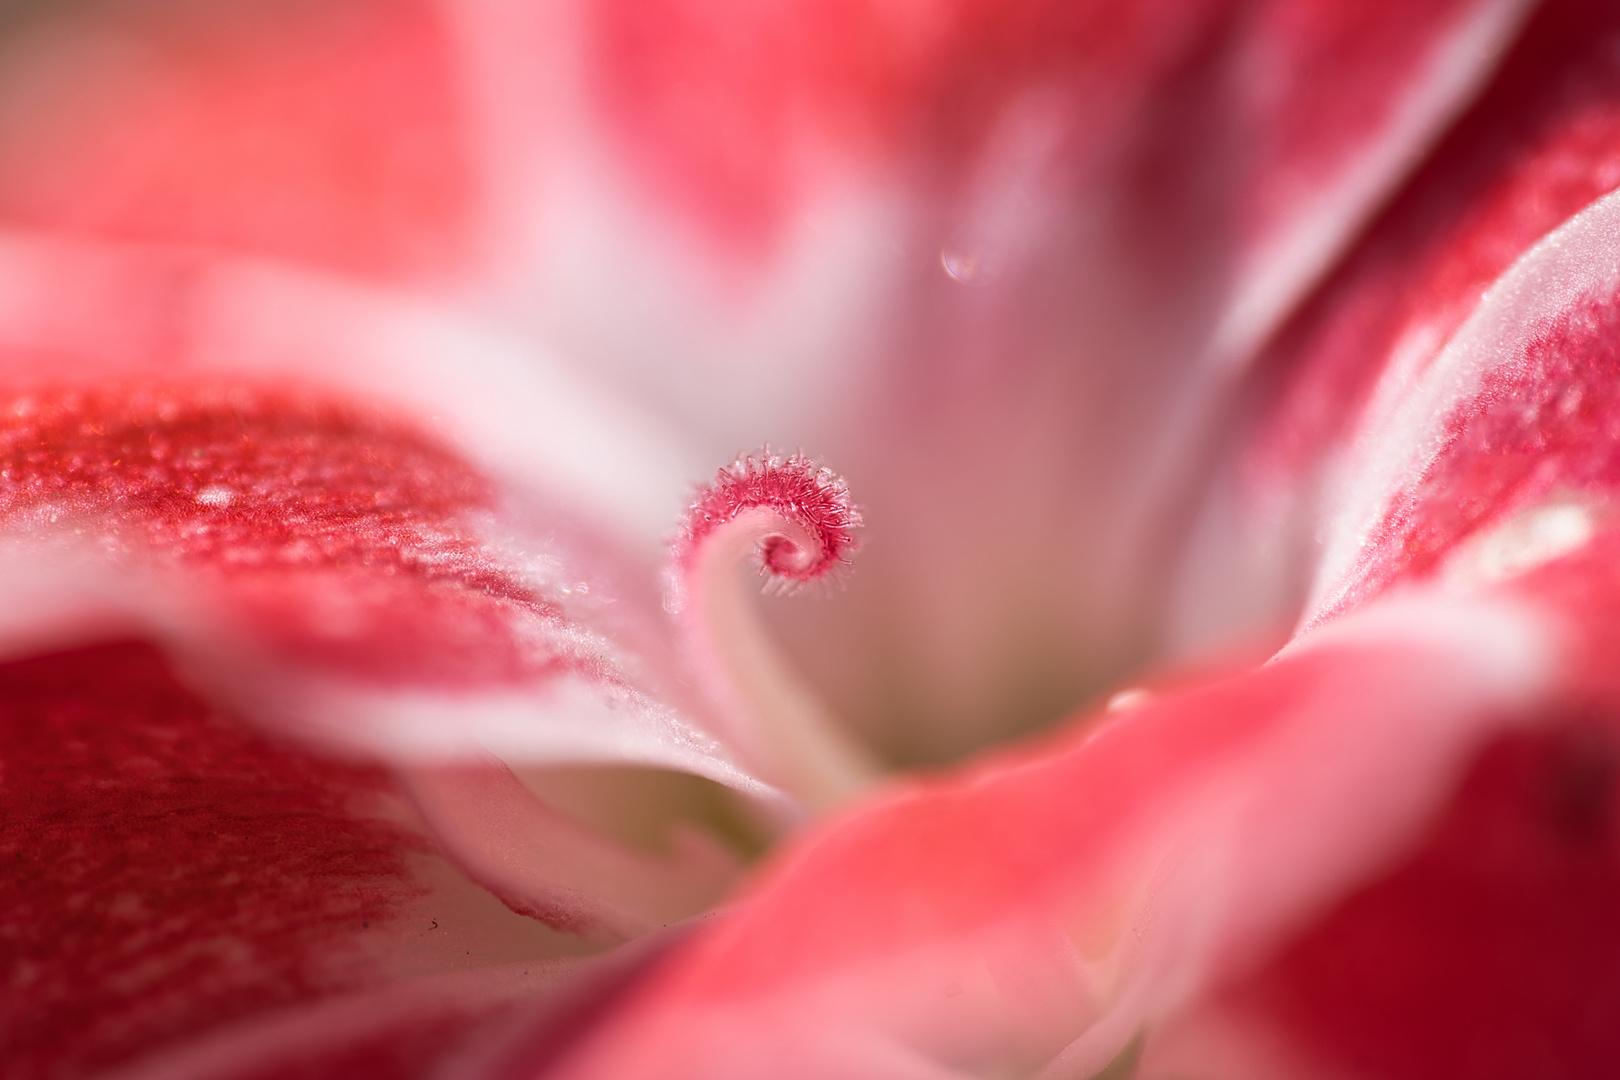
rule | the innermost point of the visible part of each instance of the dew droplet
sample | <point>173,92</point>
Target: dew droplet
<point>962,266</point>
<point>1132,698</point>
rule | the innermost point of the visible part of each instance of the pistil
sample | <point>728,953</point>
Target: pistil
<point>795,518</point>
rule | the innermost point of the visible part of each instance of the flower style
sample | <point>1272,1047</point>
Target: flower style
<point>1225,394</point>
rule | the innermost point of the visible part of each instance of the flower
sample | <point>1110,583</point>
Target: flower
<point>383,693</point>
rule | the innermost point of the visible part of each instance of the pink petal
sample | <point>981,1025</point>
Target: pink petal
<point>545,866</point>
<point>1343,101</point>
<point>1040,910</point>
<point>735,112</point>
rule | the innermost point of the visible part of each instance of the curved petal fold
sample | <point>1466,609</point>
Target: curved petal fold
<point>1032,916</point>
<point>337,577</point>
<point>1495,457</point>
<point>543,865</point>
<point>1533,150</point>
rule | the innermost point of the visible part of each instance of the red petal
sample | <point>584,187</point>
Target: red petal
<point>1488,952</point>
<point>324,569</point>
<point>498,1023</point>
<point>1508,424</point>
<point>1536,148</point>
<point>344,538</point>
<point>1339,102</point>
<point>170,871</point>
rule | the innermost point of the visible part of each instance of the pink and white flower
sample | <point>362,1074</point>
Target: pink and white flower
<point>1236,380</point>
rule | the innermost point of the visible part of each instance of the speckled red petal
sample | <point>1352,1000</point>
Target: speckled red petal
<point>1495,457</point>
<point>325,571</point>
<point>344,538</point>
<point>169,872</point>
<point>1535,149</point>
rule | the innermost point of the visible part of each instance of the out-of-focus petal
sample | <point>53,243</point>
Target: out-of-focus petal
<point>1343,101</point>
<point>1486,950</point>
<point>1533,151</point>
<point>1037,913</point>
<point>330,133</point>
<point>735,114</point>
<point>546,866</point>
<point>493,1023</point>
<point>170,871</point>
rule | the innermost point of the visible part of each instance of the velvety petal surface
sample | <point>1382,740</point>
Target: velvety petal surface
<point>353,648</point>
<point>171,871</point>
<point>1487,950</point>
<point>1534,150</point>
